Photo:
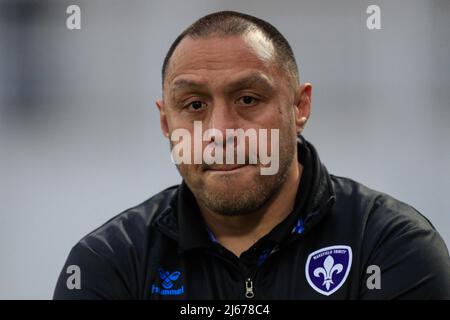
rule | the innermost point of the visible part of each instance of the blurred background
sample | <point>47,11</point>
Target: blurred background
<point>79,131</point>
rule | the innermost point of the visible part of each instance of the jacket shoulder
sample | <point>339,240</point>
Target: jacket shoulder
<point>410,254</point>
<point>132,225</point>
<point>376,206</point>
<point>112,257</point>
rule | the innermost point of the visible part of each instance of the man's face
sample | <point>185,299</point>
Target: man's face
<point>230,83</point>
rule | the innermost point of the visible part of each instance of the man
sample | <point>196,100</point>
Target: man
<point>229,231</point>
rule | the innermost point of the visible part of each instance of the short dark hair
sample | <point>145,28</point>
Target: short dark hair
<point>231,23</point>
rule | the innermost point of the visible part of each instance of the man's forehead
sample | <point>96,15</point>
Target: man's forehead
<point>216,53</point>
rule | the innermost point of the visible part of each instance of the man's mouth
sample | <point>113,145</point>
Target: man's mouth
<point>225,167</point>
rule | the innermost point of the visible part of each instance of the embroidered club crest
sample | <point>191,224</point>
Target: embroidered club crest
<point>327,268</point>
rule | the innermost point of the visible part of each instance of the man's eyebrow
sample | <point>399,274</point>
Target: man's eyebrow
<point>252,80</point>
<point>185,84</point>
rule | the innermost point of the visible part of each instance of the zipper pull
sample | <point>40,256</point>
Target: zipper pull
<point>249,294</point>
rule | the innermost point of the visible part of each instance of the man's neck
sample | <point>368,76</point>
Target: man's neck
<point>239,233</point>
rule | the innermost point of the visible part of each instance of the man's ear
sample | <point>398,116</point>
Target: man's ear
<point>302,106</point>
<point>162,117</point>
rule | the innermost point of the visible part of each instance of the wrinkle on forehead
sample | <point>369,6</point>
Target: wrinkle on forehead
<point>245,79</point>
<point>253,50</point>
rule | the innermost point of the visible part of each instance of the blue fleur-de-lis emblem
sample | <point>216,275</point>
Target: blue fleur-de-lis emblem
<point>327,271</point>
<point>168,277</point>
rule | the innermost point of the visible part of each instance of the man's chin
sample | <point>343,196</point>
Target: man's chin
<point>233,193</point>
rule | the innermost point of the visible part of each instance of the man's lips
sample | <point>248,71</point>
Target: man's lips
<point>225,167</point>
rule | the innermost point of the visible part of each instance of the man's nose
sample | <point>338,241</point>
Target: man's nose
<point>222,117</point>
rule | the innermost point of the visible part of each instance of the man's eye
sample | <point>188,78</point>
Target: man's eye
<point>247,100</point>
<point>196,105</point>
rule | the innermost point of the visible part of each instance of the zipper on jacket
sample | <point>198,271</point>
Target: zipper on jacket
<point>249,293</point>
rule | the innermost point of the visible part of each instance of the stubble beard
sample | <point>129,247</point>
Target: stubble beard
<point>231,197</point>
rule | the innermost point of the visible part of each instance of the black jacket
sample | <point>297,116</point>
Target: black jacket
<point>341,241</point>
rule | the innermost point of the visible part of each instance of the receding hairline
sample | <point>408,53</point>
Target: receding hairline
<point>264,52</point>
<point>225,24</point>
